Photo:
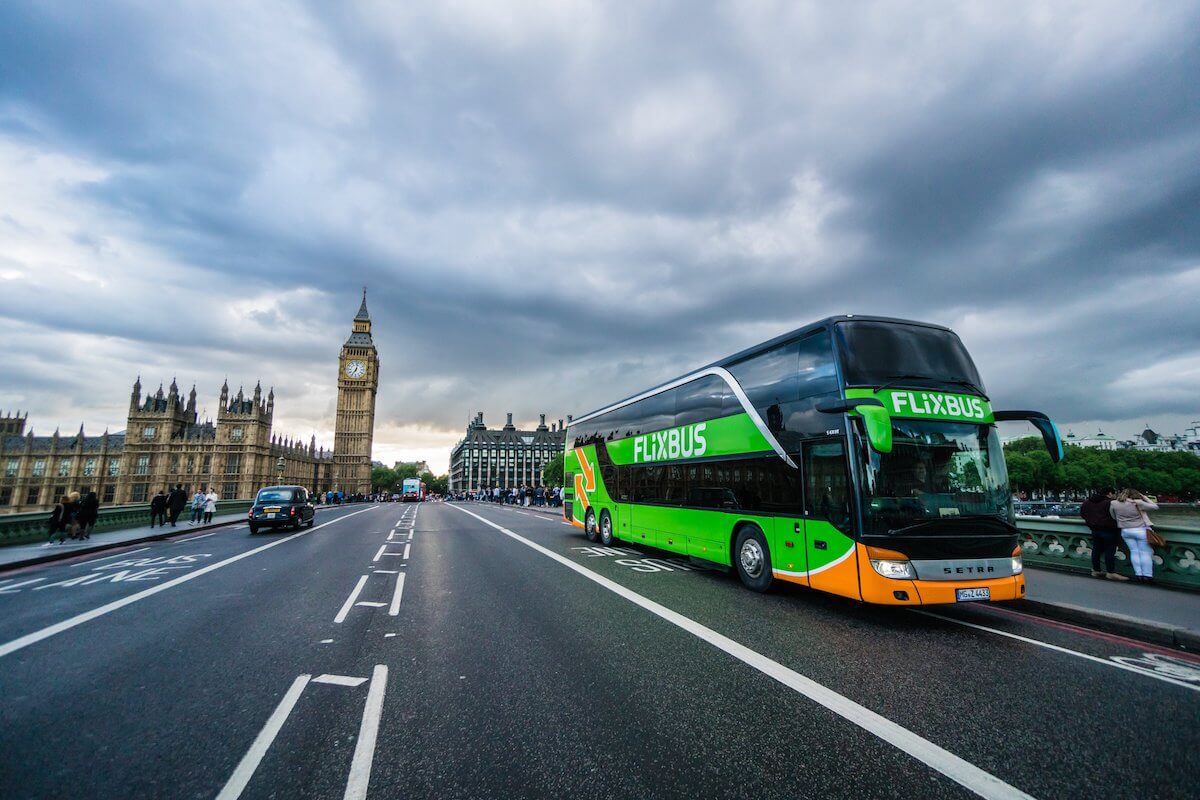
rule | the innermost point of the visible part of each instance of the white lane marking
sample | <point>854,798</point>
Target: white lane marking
<point>388,635</point>
<point>7,589</point>
<point>364,749</point>
<point>204,535</point>
<point>58,627</point>
<point>395,607</point>
<point>407,547</point>
<point>385,571</point>
<point>254,756</point>
<point>339,680</point>
<point>341,615</point>
<point>382,547</point>
<point>956,769</point>
<point>1067,651</point>
<point>370,603</point>
<point>390,535</point>
<point>327,641</point>
<point>114,555</point>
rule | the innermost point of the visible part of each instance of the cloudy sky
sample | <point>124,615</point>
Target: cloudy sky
<point>557,204</point>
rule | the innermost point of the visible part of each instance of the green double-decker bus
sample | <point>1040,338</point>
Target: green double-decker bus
<point>857,455</point>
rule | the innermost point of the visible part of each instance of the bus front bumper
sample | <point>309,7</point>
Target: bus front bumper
<point>899,592</point>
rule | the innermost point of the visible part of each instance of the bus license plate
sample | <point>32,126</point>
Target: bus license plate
<point>963,595</point>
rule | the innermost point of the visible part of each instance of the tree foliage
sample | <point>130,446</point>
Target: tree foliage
<point>1085,469</point>
<point>552,473</point>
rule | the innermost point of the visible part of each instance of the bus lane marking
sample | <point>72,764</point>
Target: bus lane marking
<point>394,609</point>
<point>957,769</point>
<point>87,616</point>
<point>341,615</point>
<point>1116,662</point>
<point>364,751</point>
<point>114,555</point>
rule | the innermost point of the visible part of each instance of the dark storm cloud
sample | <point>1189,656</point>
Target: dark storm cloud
<point>555,205</point>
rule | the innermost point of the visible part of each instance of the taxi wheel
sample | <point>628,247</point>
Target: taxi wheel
<point>253,529</point>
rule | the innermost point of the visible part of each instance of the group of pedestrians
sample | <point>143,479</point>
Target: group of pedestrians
<point>523,495</point>
<point>1115,516</point>
<point>168,506</point>
<point>74,517</point>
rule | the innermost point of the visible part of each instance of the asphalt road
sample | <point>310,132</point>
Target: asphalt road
<point>478,651</point>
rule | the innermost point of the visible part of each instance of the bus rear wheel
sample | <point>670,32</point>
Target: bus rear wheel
<point>752,559</point>
<point>606,529</point>
<point>589,525</point>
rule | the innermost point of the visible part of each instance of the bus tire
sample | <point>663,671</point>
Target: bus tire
<point>589,525</point>
<point>752,559</point>
<point>606,529</point>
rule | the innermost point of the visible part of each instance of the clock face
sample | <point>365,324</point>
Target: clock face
<point>355,369</point>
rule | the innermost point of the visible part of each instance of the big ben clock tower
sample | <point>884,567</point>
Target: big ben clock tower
<point>354,431</point>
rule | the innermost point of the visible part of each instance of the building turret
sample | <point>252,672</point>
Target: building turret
<point>508,426</point>
<point>271,400</point>
<point>225,393</point>
<point>542,422</point>
<point>191,406</point>
<point>135,397</point>
<point>258,393</point>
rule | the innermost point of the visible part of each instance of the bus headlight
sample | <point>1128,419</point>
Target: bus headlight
<point>1017,566</point>
<point>891,564</point>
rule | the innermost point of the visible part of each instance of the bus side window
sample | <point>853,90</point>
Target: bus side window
<point>827,488</point>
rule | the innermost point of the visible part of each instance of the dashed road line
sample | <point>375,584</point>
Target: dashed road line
<point>396,593</point>
<point>346,606</point>
<point>45,633</point>
<point>245,769</point>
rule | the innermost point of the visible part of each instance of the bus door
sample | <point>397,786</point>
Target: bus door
<point>828,519</point>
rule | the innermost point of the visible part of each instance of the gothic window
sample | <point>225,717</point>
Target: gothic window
<point>149,431</point>
<point>39,468</point>
<point>64,467</point>
<point>89,467</point>
<point>139,493</point>
<point>233,465</point>
<point>143,466</point>
<point>236,434</point>
<point>114,467</point>
<point>31,497</point>
<point>5,495</point>
<point>10,469</point>
<point>110,493</point>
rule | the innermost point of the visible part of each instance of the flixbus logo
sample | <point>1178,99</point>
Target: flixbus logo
<point>685,442</point>
<point>937,404</point>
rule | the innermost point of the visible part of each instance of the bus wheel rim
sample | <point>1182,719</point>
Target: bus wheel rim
<point>751,558</point>
<point>606,527</point>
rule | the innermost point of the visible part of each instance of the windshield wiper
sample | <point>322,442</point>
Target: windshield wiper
<point>969,385</point>
<point>893,379</point>
<point>953,521</point>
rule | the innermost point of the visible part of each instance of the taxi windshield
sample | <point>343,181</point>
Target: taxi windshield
<point>936,470</point>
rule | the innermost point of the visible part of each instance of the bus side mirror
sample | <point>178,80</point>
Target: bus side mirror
<point>876,418</point>
<point>1043,423</point>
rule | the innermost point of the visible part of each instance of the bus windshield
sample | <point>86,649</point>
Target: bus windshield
<point>878,353</point>
<point>936,470</point>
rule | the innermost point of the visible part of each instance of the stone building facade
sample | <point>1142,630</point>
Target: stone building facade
<point>165,442</point>
<point>486,458</point>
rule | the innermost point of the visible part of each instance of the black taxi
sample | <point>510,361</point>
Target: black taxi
<point>281,507</point>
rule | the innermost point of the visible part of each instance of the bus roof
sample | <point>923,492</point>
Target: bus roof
<point>827,322</point>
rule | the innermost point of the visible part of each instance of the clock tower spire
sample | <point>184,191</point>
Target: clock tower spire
<point>354,430</point>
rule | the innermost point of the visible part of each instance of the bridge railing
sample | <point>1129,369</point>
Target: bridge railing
<point>33,526</point>
<point>1067,544</point>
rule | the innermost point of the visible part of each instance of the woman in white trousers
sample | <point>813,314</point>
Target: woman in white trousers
<point>1129,510</point>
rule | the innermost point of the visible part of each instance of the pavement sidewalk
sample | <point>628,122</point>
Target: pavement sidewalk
<point>22,555</point>
<point>1170,616</point>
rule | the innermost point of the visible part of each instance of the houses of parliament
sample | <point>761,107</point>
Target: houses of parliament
<point>165,442</point>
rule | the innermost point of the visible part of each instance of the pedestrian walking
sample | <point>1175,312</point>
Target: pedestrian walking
<point>1129,510</point>
<point>55,524</point>
<point>71,516</point>
<point>89,512</point>
<point>1105,533</point>
<point>158,508</point>
<point>197,506</point>
<point>210,505</point>
<point>176,501</point>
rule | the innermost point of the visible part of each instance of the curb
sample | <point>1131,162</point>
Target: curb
<point>1120,624</point>
<point>62,555</point>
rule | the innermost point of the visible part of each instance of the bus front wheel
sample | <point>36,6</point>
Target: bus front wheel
<point>589,525</point>
<point>752,559</point>
<point>606,529</point>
